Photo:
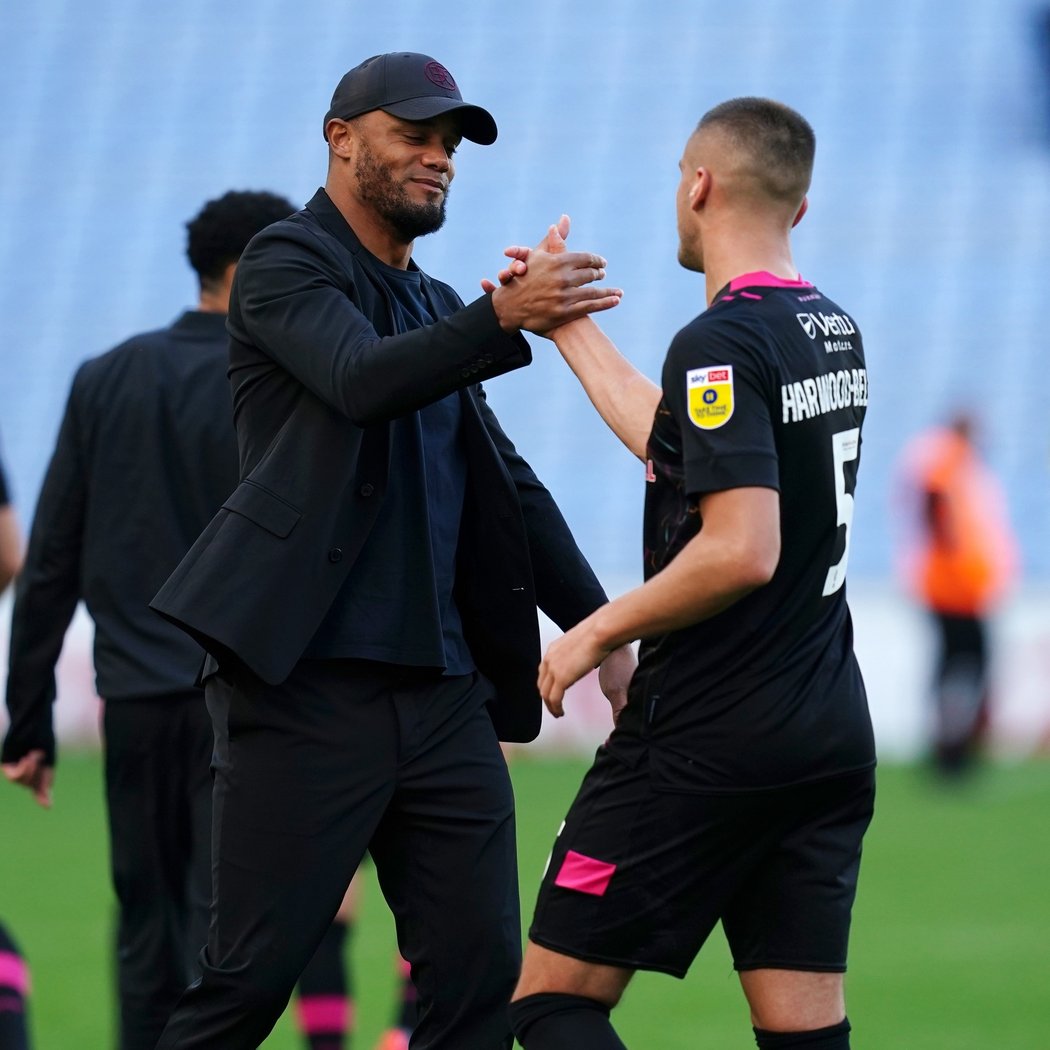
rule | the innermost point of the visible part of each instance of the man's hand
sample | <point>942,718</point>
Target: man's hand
<point>566,661</point>
<point>614,676</point>
<point>520,256</point>
<point>547,286</point>
<point>31,771</point>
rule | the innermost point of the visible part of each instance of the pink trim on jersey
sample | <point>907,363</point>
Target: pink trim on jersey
<point>12,1004</point>
<point>749,295</point>
<point>14,973</point>
<point>324,1013</point>
<point>765,279</point>
<point>584,874</point>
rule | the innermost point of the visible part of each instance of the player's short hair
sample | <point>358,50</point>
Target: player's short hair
<point>219,233</point>
<point>780,143</point>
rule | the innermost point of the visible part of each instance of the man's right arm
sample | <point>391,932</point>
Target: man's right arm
<point>624,398</point>
<point>291,300</point>
<point>46,595</point>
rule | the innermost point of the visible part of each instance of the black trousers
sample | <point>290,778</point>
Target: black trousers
<point>158,793</point>
<point>961,692</point>
<point>342,757</point>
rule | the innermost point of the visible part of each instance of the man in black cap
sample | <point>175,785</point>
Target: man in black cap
<point>368,593</point>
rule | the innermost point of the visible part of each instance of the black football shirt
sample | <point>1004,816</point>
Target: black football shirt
<point>766,388</point>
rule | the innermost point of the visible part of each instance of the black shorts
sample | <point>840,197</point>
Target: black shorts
<point>638,877</point>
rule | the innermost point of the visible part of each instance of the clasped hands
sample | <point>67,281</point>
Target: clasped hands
<point>547,286</point>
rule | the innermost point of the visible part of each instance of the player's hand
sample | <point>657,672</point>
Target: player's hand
<point>32,772</point>
<point>614,676</point>
<point>520,256</point>
<point>566,661</point>
<point>517,268</point>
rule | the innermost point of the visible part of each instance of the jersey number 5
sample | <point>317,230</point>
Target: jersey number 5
<point>844,446</point>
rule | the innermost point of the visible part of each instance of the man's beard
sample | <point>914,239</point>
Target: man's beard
<point>405,217</point>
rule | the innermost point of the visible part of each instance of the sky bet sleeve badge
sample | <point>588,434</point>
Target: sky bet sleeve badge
<point>710,395</point>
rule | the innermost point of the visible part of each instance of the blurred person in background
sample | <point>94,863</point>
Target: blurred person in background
<point>14,974</point>
<point>960,556</point>
<point>145,455</point>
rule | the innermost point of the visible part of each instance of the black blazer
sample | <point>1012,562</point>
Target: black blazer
<point>145,456</point>
<point>318,372</point>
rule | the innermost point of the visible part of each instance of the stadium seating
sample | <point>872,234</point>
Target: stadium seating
<point>929,215</point>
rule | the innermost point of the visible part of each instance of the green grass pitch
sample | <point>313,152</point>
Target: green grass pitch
<point>950,949</point>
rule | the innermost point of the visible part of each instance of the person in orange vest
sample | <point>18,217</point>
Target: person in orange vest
<point>959,564</point>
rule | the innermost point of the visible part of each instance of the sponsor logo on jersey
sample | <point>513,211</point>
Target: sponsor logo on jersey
<point>826,324</point>
<point>815,396</point>
<point>709,392</point>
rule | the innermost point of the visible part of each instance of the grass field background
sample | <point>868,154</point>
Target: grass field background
<point>950,950</point>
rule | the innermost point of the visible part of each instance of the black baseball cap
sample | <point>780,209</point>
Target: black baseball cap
<point>411,86</point>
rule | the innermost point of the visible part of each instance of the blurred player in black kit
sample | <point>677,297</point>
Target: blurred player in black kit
<point>739,781</point>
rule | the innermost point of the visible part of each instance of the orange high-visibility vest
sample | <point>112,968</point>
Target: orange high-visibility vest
<point>963,567</point>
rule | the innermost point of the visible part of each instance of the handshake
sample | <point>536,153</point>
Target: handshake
<point>547,286</point>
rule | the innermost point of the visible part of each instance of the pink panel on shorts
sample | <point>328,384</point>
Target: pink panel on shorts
<point>584,874</point>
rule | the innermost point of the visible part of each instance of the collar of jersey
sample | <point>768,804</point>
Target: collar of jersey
<point>763,279</point>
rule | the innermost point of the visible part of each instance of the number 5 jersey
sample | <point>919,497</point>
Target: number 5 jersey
<point>766,388</point>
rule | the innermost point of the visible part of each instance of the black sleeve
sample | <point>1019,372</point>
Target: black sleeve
<point>292,300</point>
<point>719,390</point>
<point>566,588</point>
<point>46,594</point>
<point>5,495</point>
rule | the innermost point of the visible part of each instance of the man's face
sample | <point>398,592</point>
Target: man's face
<point>403,170</point>
<point>690,248</point>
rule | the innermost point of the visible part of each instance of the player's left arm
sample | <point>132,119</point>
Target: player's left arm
<point>736,552</point>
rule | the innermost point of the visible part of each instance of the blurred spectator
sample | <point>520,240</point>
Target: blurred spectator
<point>960,558</point>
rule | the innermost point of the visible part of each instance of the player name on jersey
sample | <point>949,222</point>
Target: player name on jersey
<point>825,393</point>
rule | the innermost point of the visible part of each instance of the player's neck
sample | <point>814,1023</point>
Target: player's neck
<point>751,252</point>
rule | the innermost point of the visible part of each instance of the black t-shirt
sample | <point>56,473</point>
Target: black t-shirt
<point>407,568</point>
<point>765,388</point>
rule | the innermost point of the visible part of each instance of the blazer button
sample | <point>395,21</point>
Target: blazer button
<point>335,554</point>
<point>367,489</point>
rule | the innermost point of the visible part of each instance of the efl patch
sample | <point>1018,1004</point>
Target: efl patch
<point>710,395</point>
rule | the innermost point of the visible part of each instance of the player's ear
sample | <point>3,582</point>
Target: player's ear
<point>700,188</point>
<point>803,208</point>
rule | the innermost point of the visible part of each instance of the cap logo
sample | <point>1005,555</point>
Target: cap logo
<point>437,74</point>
